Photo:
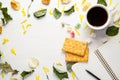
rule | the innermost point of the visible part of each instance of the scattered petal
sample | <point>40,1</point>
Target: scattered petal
<point>117,23</point>
<point>72,34</point>
<point>89,40</point>
<point>81,17</point>
<point>15,5</point>
<point>0,30</point>
<point>91,31</point>
<point>23,12</point>
<point>13,78</point>
<point>3,54</point>
<point>73,75</point>
<point>65,1</point>
<point>23,28</point>
<point>58,63</point>
<point>63,9</point>
<point>77,31</point>
<point>5,40</point>
<point>24,32</point>
<point>33,62</point>
<point>69,29</point>
<point>116,16</point>
<point>46,69</point>
<point>13,51</point>
<point>87,5</point>
<point>93,35</point>
<point>116,5</point>
<point>76,7</point>
<point>83,2</point>
<point>3,75</point>
<point>37,77</point>
<point>24,21</point>
<point>110,2</point>
<point>86,26</point>
<point>41,9</point>
<point>28,25</point>
<point>119,40</point>
<point>59,3</point>
<point>51,12</point>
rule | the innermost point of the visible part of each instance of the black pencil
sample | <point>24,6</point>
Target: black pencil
<point>92,74</point>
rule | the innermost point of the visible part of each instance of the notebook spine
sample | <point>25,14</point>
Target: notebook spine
<point>106,65</point>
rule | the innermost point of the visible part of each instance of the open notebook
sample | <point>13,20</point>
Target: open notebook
<point>105,63</point>
<point>109,56</point>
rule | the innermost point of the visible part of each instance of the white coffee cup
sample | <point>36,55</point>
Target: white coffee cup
<point>94,17</point>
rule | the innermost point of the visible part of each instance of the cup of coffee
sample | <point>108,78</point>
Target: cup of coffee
<point>98,17</point>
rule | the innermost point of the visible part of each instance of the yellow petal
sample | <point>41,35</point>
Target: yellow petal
<point>24,21</point>
<point>76,7</point>
<point>58,63</point>
<point>13,79</point>
<point>81,17</point>
<point>46,69</point>
<point>41,8</point>
<point>73,75</point>
<point>28,25</point>
<point>59,3</point>
<point>23,27</point>
<point>3,75</point>
<point>24,32</point>
<point>13,51</point>
<point>87,5</point>
<point>37,77</point>
<point>5,40</point>
<point>119,40</point>
<point>86,26</point>
<point>116,5</point>
<point>23,12</point>
<point>3,54</point>
<point>63,8</point>
<point>51,12</point>
<point>77,31</point>
<point>110,2</point>
<point>91,31</point>
<point>83,2</point>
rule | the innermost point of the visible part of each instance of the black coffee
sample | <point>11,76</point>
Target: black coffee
<point>97,16</point>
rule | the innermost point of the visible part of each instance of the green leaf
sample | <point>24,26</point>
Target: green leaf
<point>0,5</point>
<point>6,16</point>
<point>3,21</point>
<point>103,2</point>
<point>7,68</point>
<point>69,11</point>
<point>25,73</point>
<point>112,31</point>
<point>56,13</point>
<point>40,13</point>
<point>69,66</point>
<point>60,75</point>
<point>78,26</point>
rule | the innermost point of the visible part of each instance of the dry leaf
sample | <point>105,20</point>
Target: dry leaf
<point>15,5</point>
<point>46,2</point>
<point>0,30</point>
